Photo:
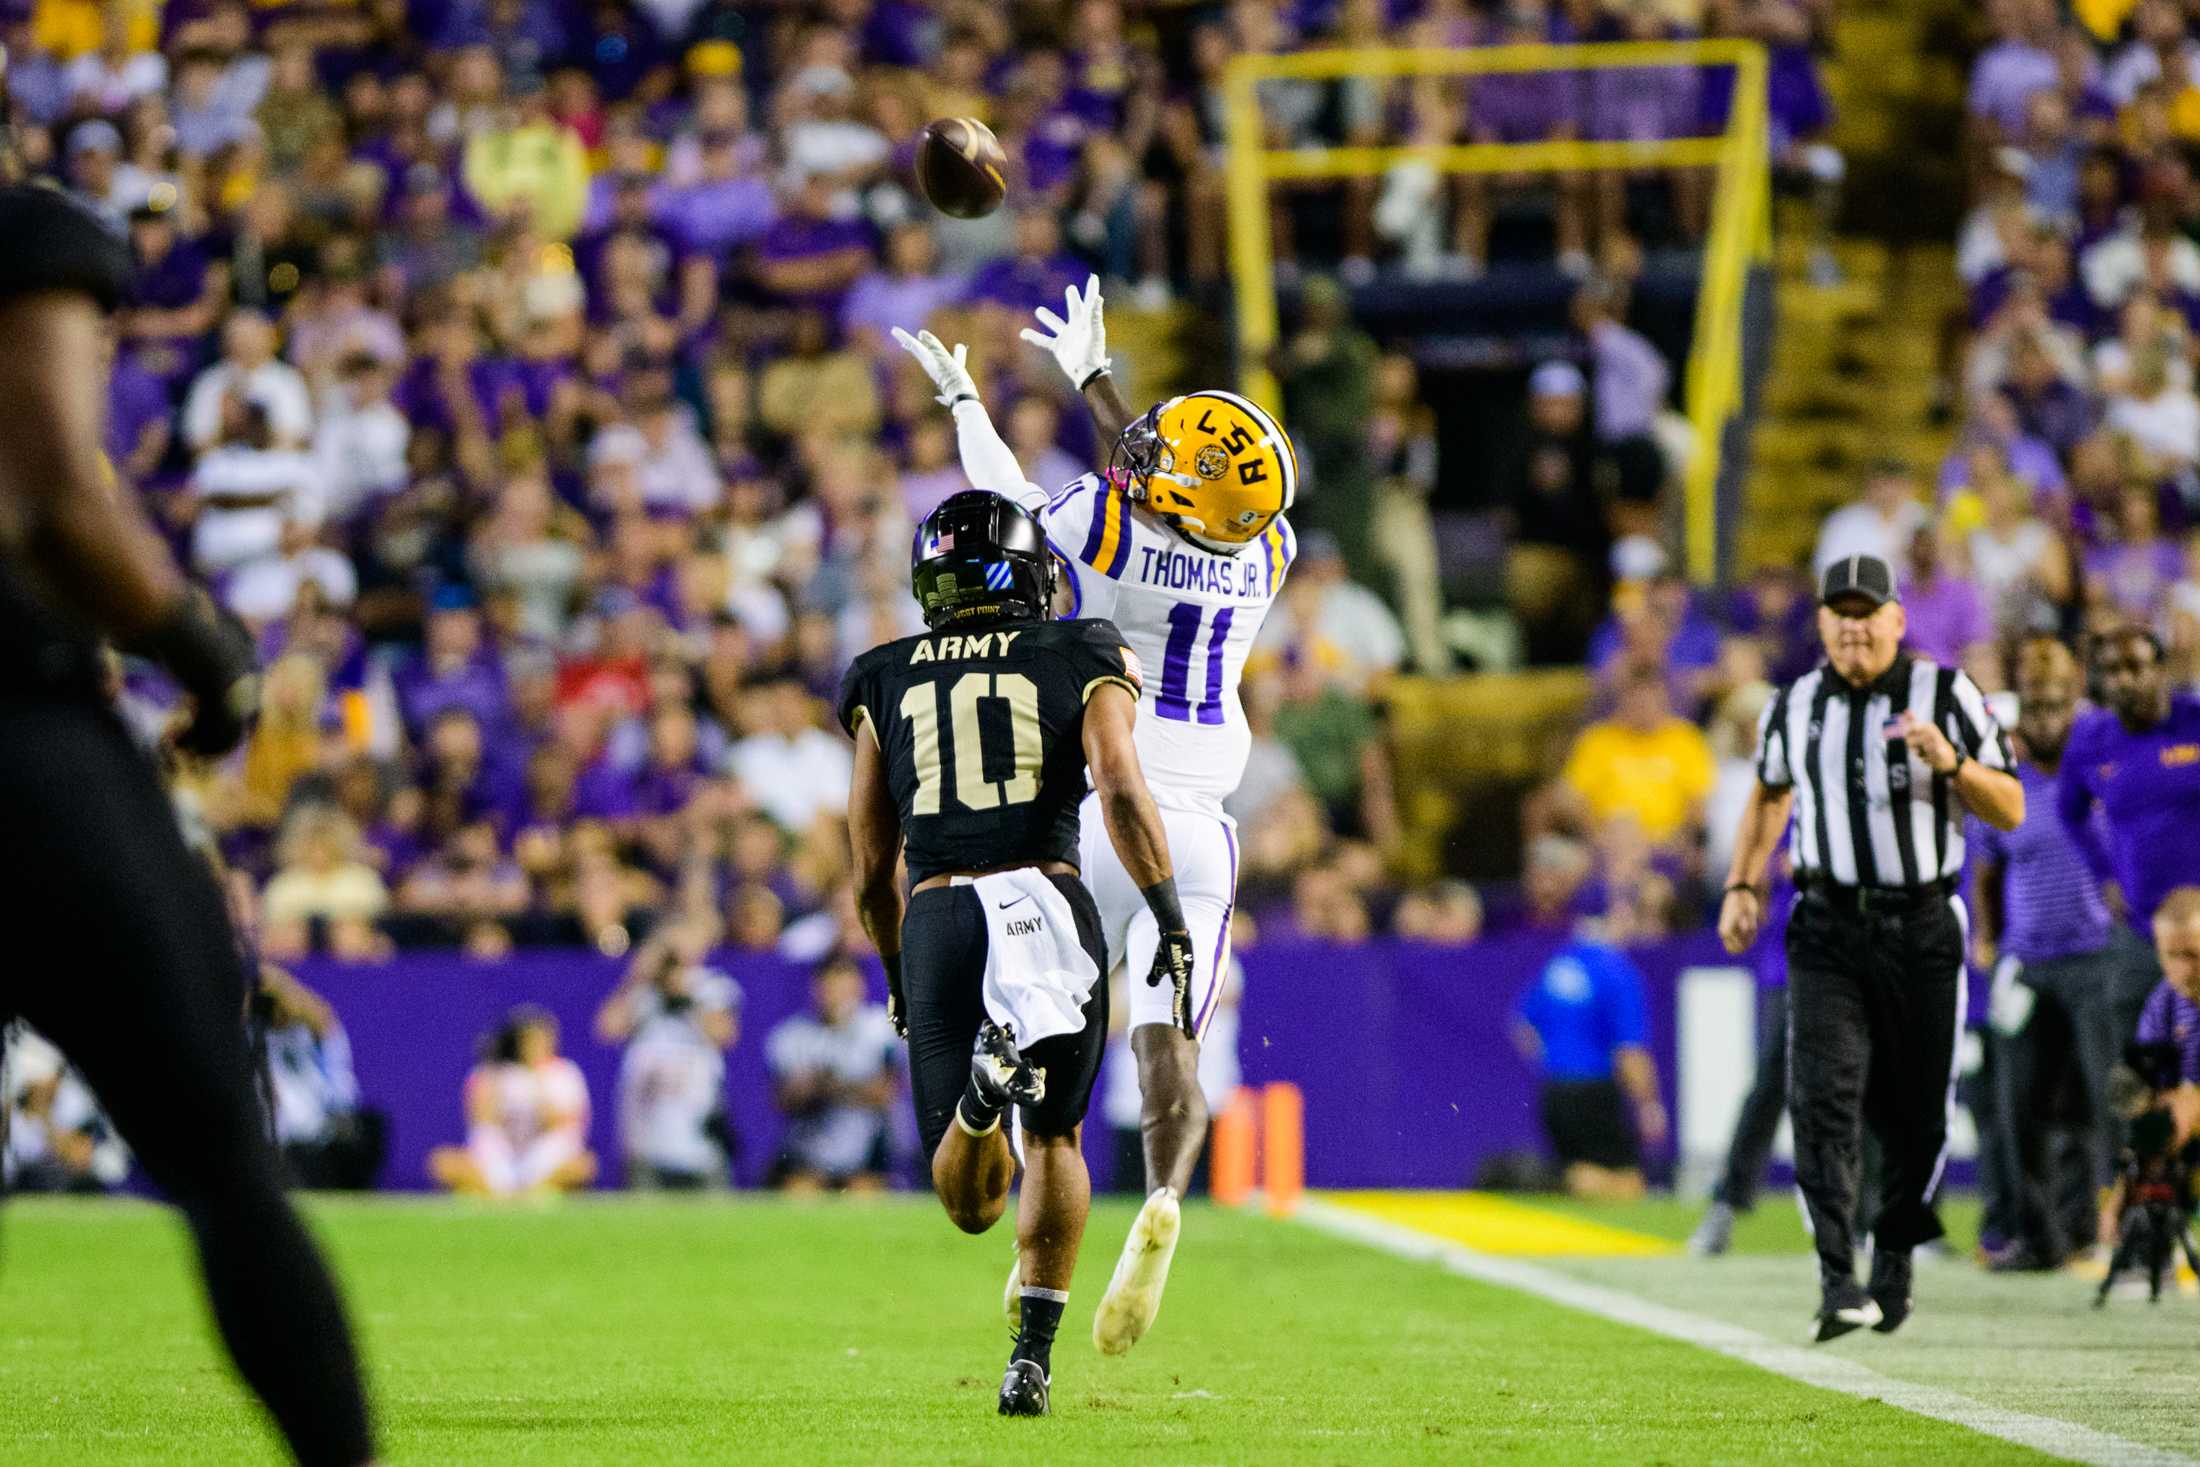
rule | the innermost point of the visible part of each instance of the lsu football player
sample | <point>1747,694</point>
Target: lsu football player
<point>1182,543</point>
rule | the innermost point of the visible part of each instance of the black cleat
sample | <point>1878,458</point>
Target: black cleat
<point>1844,1310</point>
<point>1890,1288</point>
<point>1001,1073</point>
<point>1024,1389</point>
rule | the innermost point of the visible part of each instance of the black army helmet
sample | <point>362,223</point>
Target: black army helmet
<point>979,557</point>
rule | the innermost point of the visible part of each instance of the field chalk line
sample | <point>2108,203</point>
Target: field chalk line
<point>2064,1439</point>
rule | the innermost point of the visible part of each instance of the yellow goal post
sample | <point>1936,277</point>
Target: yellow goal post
<point>1739,235</point>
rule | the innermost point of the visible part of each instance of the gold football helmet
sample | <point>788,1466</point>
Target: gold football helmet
<point>1213,464</point>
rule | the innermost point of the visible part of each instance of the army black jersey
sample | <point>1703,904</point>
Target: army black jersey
<point>54,243</point>
<point>983,733</point>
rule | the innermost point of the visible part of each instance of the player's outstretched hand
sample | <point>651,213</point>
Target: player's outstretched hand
<point>1172,961</point>
<point>1078,338</point>
<point>947,369</point>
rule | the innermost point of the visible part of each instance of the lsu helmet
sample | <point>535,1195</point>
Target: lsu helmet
<point>1213,464</point>
<point>981,558</point>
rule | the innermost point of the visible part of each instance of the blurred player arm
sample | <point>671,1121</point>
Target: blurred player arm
<point>61,512</point>
<point>87,544</point>
<point>874,840</point>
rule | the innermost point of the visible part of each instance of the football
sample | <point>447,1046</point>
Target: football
<point>959,167</point>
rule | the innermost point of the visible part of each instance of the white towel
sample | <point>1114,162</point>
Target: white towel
<point>1037,974</point>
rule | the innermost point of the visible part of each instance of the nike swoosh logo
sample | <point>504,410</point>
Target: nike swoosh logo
<point>1019,901</point>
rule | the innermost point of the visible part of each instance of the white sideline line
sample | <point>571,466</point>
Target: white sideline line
<point>1832,1372</point>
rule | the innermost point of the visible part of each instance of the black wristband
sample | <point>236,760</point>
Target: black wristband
<point>1735,886</point>
<point>1161,900</point>
<point>1094,377</point>
<point>205,652</point>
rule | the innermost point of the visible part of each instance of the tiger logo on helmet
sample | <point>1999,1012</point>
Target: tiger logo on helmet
<point>1212,463</point>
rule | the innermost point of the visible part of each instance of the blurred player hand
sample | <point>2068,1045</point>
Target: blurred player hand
<point>1078,338</point>
<point>1739,916</point>
<point>1172,960</point>
<point>948,370</point>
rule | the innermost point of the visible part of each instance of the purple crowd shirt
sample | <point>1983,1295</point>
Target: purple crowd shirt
<point>2051,902</point>
<point>2149,785</point>
<point>2171,1018</point>
<point>882,301</point>
<point>2004,79</point>
<point>1945,618</point>
<point>715,216</point>
<point>2137,578</point>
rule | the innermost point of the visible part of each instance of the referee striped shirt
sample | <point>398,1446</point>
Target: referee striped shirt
<point>1868,812</point>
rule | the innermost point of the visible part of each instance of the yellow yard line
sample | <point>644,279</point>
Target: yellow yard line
<point>1491,1224</point>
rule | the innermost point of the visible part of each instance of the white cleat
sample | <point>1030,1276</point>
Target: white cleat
<point>1012,1297</point>
<point>1133,1298</point>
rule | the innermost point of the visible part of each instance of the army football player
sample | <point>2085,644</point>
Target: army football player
<point>972,746</point>
<point>149,1010</point>
<point>1183,544</point>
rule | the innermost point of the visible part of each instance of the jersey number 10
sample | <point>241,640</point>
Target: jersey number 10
<point>1174,700</point>
<point>920,705</point>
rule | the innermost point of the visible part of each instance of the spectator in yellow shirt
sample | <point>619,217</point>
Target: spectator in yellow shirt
<point>529,163</point>
<point>1643,762</point>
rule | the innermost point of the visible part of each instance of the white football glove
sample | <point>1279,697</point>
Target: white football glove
<point>1078,338</point>
<point>946,368</point>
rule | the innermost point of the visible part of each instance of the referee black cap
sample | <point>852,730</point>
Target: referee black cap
<point>1857,575</point>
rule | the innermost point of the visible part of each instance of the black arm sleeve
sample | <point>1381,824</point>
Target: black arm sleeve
<point>55,243</point>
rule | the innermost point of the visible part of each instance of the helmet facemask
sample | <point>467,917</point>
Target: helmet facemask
<point>1143,465</point>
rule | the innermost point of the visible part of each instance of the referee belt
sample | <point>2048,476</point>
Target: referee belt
<point>1883,899</point>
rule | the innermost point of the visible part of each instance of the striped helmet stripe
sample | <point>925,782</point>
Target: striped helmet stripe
<point>1273,432</point>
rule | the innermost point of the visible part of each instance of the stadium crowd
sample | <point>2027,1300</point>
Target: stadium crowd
<point>517,371</point>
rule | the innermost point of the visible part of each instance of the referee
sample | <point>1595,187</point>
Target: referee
<point>1877,755</point>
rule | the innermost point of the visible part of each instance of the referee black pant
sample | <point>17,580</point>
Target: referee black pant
<point>121,953</point>
<point>1875,1006</point>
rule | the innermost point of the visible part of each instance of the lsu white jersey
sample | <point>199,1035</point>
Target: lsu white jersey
<point>1189,615</point>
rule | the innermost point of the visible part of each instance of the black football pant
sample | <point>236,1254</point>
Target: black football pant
<point>2051,1085</point>
<point>121,953</point>
<point>1875,1007</point>
<point>944,941</point>
<point>1754,1129</point>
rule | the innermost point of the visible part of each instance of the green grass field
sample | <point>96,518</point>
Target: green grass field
<point>756,1331</point>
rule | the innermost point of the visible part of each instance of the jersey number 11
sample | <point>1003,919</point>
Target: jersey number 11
<point>1174,701</point>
